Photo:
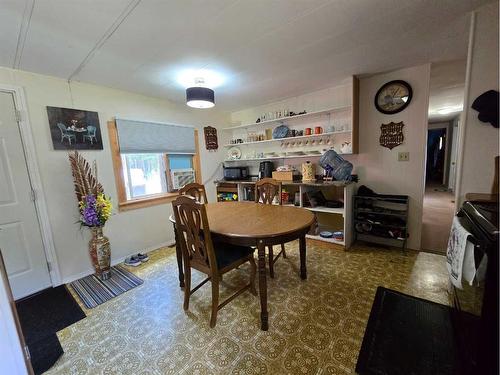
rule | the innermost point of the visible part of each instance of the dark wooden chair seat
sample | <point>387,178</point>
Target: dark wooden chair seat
<point>265,192</point>
<point>227,254</point>
<point>201,253</point>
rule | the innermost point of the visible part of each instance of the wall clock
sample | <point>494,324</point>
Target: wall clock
<point>393,97</point>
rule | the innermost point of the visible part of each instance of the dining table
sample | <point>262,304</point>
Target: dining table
<point>256,225</point>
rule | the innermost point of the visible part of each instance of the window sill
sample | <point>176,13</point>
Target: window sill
<point>147,202</point>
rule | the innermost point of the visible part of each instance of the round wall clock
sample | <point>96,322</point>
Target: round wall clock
<point>393,97</point>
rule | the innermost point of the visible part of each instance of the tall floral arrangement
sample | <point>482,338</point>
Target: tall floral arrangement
<point>95,207</point>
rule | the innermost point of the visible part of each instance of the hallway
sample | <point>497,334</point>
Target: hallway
<point>438,212</point>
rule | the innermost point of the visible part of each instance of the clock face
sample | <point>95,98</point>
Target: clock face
<point>393,97</point>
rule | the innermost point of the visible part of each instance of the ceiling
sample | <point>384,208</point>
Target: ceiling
<point>447,86</point>
<point>266,50</point>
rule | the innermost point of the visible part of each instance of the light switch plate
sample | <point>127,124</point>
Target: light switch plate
<point>403,156</point>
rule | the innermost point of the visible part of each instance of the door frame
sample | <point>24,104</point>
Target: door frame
<point>446,167</point>
<point>41,210</point>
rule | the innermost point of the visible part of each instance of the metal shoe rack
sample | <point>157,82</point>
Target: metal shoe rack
<point>381,219</point>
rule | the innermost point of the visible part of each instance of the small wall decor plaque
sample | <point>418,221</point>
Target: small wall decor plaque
<point>211,142</point>
<point>391,134</point>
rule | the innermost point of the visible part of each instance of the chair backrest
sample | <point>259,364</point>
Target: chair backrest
<point>91,130</point>
<point>193,232</point>
<point>266,189</point>
<point>195,190</point>
<point>62,127</point>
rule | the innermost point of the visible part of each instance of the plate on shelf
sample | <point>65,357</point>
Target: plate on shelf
<point>326,234</point>
<point>280,132</point>
<point>295,153</point>
<point>234,153</point>
<point>313,152</point>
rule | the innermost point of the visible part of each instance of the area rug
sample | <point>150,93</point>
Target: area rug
<point>93,291</point>
<point>407,335</point>
<point>41,316</point>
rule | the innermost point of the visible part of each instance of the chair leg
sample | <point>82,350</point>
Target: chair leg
<point>253,273</point>
<point>187,287</point>
<point>215,300</point>
<point>271,262</point>
<point>283,250</point>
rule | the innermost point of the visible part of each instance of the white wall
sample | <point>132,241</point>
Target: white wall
<point>377,166</point>
<point>338,96</point>
<point>481,139</point>
<point>130,231</point>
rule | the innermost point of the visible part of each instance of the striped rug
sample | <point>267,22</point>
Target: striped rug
<point>93,291</point>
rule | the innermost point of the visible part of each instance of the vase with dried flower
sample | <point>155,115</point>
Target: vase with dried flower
<point>95,209</point>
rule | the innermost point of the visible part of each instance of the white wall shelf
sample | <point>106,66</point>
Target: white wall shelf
<point>288,138</point>
<point>324,239</point>
<point>327,210</point>
<point>279,157</point>
<point>291,118</point>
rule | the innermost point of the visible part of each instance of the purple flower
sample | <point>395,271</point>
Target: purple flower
<point>90,216</point>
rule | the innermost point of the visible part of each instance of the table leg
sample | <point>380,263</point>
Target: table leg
<point>261,253</point>
<point>178,253</point>
<point>302,250</point>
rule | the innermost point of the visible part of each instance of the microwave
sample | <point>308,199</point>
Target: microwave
<point>235,173</point>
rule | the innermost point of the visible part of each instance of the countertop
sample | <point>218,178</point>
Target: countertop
<point>295,183</point>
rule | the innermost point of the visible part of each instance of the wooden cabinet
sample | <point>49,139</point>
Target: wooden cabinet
<point>328,218</point>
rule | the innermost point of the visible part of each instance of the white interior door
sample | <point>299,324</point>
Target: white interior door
<point>20,236</point>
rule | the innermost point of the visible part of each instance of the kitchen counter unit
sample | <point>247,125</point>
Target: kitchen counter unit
<point>252,181</point>
<point>330,219</point>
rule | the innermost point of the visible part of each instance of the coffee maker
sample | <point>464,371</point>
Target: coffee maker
<point>266,169</point>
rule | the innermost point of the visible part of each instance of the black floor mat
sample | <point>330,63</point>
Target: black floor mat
<point>406,335</point>
<point>41,316</point>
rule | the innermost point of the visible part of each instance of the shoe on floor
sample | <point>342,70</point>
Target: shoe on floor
<point>142,257</point>
<point>133,261</point>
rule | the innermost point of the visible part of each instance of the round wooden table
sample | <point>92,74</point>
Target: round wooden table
<point>259,225</point>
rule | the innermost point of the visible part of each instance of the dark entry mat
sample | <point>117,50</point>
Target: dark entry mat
<point>41,316</point>
<point>406,335</point>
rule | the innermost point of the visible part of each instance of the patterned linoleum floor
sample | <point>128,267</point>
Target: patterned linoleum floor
<point>316,326</point>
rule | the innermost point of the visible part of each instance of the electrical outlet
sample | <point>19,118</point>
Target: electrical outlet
<point>403,156</point>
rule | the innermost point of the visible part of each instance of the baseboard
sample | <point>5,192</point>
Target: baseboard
<point>114,262</point>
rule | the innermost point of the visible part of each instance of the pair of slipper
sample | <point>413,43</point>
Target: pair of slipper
<point>136,260</point>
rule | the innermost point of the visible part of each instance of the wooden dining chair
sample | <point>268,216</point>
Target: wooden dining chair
<point>200,253</point>
<point>195,190</point>
<point>265,191</point>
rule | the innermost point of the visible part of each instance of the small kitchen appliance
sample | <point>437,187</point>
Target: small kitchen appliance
<point>266,169</point>
<point>235,173</point>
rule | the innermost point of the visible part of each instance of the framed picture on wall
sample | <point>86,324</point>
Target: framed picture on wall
<point>74,129</point>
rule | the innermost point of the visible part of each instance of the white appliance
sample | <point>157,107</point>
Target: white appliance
<point>181,177</point>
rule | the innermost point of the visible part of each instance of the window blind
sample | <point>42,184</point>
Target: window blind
<point>136,137</point>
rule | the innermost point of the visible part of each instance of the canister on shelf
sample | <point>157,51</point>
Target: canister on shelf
<point>308,172</point>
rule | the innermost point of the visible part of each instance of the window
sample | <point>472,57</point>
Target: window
<point>144,174</point>
<point>152,161</point>
<point>181,171</point>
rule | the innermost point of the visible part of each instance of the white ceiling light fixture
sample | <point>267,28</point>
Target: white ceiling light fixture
<point>199,96</point>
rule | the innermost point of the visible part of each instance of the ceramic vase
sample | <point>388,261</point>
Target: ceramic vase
<point>100,253</point>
